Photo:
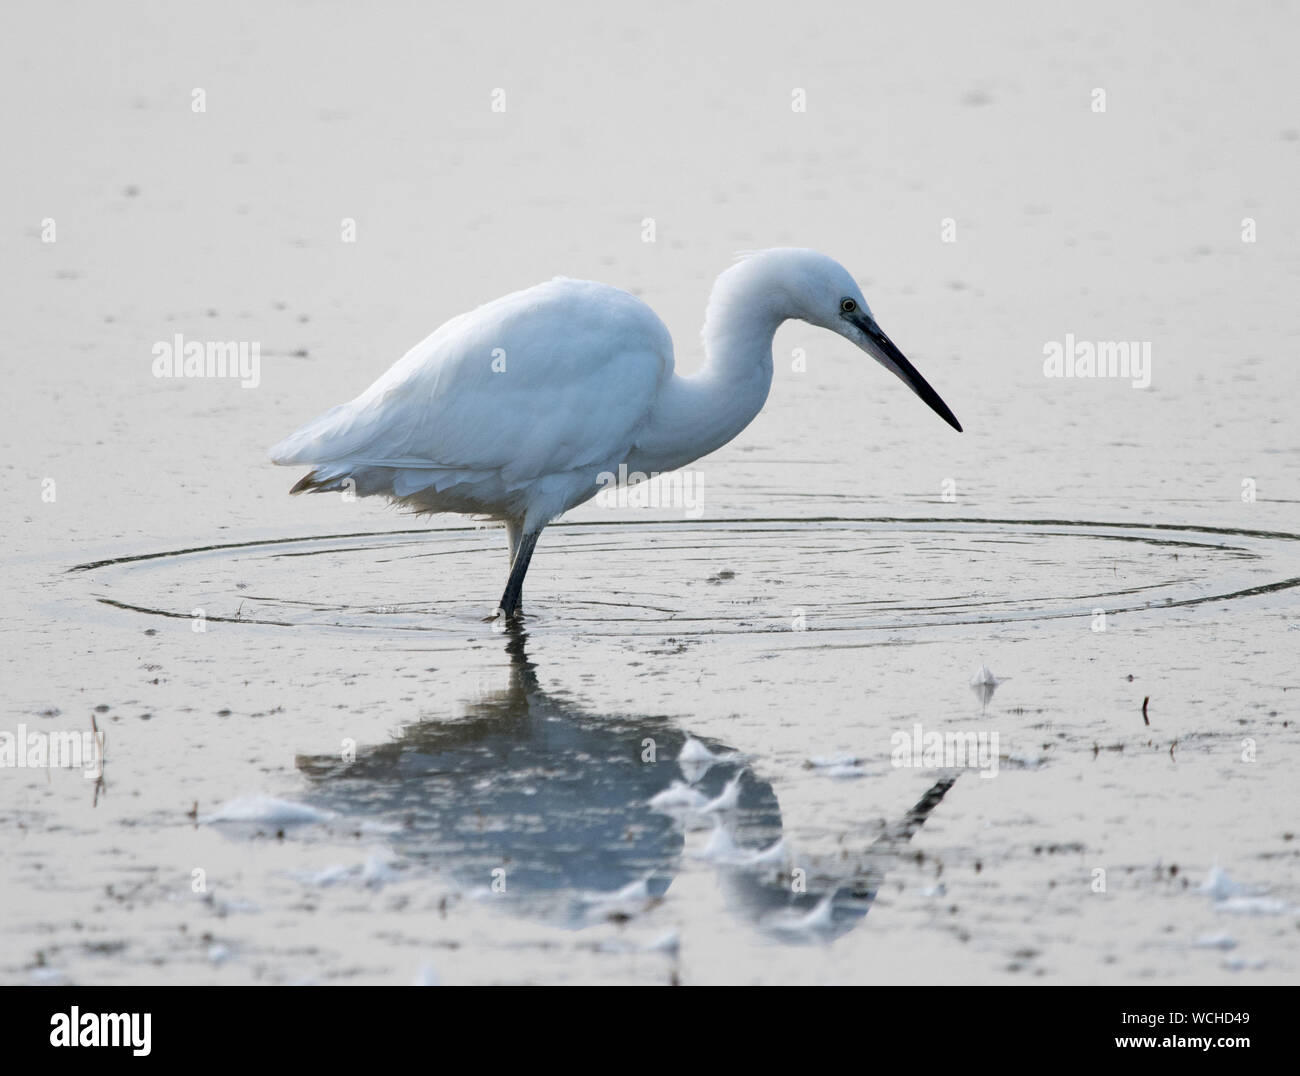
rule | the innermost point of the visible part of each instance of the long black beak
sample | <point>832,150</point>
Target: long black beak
<point>894,360</point>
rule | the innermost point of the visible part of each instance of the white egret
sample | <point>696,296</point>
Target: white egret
<point>515,410</point>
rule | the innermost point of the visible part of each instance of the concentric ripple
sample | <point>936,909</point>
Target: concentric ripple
<point>698,577</point>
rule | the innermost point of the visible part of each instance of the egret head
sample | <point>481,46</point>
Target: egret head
<point>819,290</point>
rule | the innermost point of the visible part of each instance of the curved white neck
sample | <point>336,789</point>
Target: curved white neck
<point>696,415</point>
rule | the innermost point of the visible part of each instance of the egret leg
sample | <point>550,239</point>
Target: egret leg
<point>514,531</point>
<point>514,587</point>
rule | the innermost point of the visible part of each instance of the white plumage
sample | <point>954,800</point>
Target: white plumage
<point>514,410</point>
<point>508,411</point>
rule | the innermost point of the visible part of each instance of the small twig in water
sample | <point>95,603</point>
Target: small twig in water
<point>101,741</point>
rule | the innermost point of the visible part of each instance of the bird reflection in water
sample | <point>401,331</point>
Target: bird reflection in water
<point>549,808</point>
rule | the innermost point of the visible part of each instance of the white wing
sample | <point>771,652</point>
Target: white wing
<point>555,378</point>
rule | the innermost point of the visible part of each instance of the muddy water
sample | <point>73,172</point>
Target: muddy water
<point>323,766</point>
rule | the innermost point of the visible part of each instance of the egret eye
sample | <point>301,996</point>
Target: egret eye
<point>847,306</point>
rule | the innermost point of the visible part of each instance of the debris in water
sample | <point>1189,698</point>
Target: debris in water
<point>627,903</point>
<point>677,798</point>
<point>666,943</point>
<point>838,766</point>
<point>1242,963</point>
<point>984,683</point>
<point>1253,906</point>
<point>820,920</point>
<point>728,799</point>
<point>265,809</point>
<point>1236,898</point>
<point>720,847</point>
<point>1218,886</point>
<point>695,759</point>
<point>1215,941</point>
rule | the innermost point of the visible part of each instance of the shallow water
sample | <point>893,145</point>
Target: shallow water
<point>300,698</point>
<point>985,562</point>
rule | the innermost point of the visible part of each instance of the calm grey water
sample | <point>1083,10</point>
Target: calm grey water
<point>347,776</point>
